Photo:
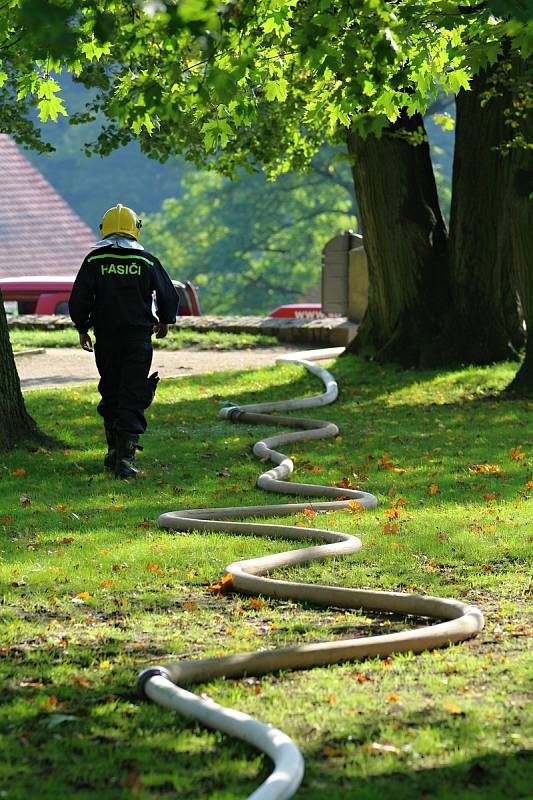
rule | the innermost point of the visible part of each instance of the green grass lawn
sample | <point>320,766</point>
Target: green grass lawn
<point>176,340</point>
<point>93,591</point>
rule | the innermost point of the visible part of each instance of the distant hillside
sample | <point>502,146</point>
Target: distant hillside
<point>91,185</point>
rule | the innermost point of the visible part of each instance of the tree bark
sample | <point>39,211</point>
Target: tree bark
<point>482,233</point>
<point>16,425</point>
<point>405,239</point>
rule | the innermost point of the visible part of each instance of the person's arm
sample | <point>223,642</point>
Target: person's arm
<point>166,300</point>
<point>81,304</point>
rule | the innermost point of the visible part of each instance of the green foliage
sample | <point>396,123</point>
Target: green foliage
<point>263,82</point>
<point>252,245</point>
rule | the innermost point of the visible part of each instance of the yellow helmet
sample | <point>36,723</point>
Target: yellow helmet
<point>121,219</point>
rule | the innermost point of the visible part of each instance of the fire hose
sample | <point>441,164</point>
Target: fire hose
<point>162,684</point>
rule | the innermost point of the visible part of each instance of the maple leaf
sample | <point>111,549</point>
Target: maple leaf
<point>190,606</point>
<point>433,489</point>
<point>355,506</point>
<point>256,604</point>
<point>514,452</point>
<point>85,683</point>
<point>152,567</point>
<point>19,473</point>
<point>393,697</point>
<point>391,528</point>
<point>452,708</point>
<point>484,469</point>
<point>222,585</point>
<point>309,513</point>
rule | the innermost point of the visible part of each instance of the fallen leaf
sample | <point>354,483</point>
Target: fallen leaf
<point>393,697</point>
<point>516,453</point>
<point>19,473</point>
<point>332,698</point>
<point>106,583</point>
<point>255,603</point>
<point>152,567</point>
<point>25,500</point>
<point>82,596</point>
<point>376,747</point>
<point>85,683</point>
<point>67,540</point>
<point>452,708</point>
<point>104,665</point>
<point>484,469</point>
<point>356,506</point>
<point>432,489</point>
<point>309,513</point>
<point>222,585</point>
<point>190,606</point>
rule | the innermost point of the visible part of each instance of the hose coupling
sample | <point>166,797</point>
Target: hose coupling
<point>144,676</point>
<point>231,412</point>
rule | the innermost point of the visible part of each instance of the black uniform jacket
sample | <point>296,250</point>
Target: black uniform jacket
<point>113,293</point>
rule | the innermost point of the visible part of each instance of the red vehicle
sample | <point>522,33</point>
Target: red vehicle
<point>44,294</point>
<point>299,311</point>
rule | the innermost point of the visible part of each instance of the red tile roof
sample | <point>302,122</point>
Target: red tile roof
<point>39,233</point>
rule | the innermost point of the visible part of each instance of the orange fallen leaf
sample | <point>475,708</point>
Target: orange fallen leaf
<point>516,453</point>
<point>19,473</point>
<point>51,702</point>
<point>332,698</point>
<point>85,683</point>
<point>222,585</point>
<point>432,489</point>
<point>391,528</point>
<point>309,513</point>
<point>255,603</point>
<point>67,540</point>
<point>452,708</point>
<point>393,697</point>
<point>82,596</point>
<point>7,520</point>
<point>190,606</point>
<point>355,506</point>
<point>106,583</point>
<point>484,469</point>
<point>152,567</point>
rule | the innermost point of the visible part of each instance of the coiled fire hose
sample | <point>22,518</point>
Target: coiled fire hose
<point>250,576</point>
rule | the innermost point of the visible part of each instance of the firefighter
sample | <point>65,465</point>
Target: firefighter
<point>113,293</point>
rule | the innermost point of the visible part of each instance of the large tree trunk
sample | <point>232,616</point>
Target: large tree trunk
<point>16,425</point>
<point>482,236</point>
<point>405,239</point>
<point>519,206</point>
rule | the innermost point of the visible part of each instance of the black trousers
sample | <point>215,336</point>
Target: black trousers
<point>124,363</point>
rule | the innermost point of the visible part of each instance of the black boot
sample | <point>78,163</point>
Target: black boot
<point>111,456</point>
<point>127,444</point>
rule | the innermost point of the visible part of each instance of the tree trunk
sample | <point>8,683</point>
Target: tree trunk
<point>405,239</point>
<point>519,204</point>
<point>15,423</point>
<point>482,239</point>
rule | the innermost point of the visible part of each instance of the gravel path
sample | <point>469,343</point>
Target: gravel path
<point>61,366</point>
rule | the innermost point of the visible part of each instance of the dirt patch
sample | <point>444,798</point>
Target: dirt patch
<point>62,366</point>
